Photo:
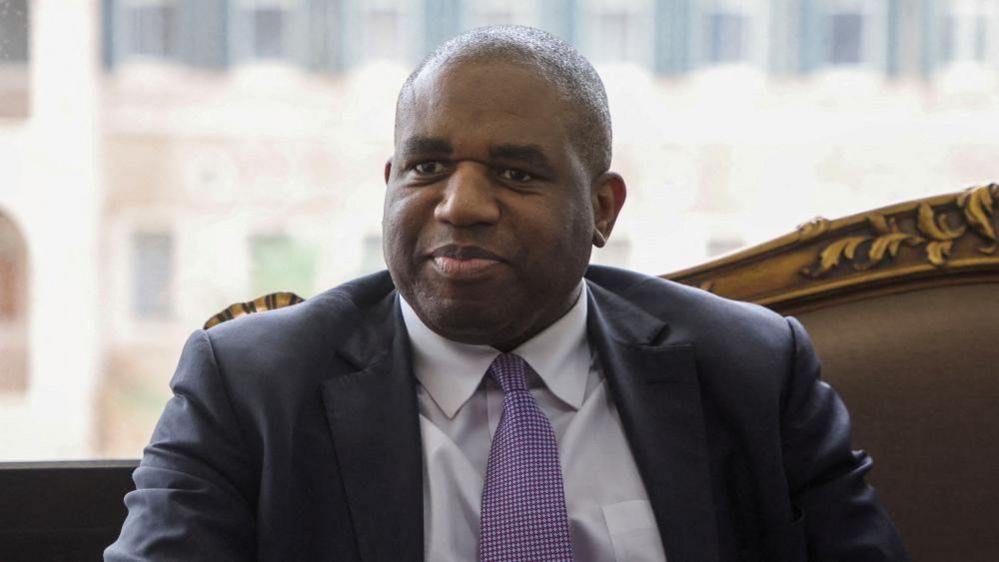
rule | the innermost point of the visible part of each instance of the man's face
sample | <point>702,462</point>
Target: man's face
<point>489,213</point>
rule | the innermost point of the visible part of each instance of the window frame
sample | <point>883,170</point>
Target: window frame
<point>408,20</point>
<point>639,45</point>
<point>756,19</point>
<point>26,59</point>
<point>122,33</point>
<point>242,33</point>
<point>873,33</point>
<point>975,19</point>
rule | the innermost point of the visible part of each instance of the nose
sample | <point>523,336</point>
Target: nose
<point>469,198</point>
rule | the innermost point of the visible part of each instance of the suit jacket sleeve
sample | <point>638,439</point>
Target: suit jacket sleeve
<point>840,514</point>
<point>193,498</point>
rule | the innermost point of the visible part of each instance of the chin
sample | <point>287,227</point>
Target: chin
<point>467,322</point>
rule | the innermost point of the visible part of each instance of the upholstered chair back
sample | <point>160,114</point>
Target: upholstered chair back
<point>902,304</point>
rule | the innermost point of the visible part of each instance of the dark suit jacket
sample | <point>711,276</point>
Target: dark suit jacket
<point>294,434</point>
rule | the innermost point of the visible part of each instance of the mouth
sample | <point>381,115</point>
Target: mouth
<point>463,262</point>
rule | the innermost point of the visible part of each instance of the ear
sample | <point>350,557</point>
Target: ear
<point>609,193</point>
<point>388,170</point>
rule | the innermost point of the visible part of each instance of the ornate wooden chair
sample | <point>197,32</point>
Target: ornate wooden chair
<point>902,304</point>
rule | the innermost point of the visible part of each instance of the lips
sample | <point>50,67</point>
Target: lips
<point>463,262</point>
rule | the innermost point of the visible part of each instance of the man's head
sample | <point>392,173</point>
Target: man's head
<point>499,184</point>
<point>550,57</point>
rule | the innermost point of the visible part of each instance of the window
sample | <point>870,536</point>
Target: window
<point>618,31</point>
<point>500,12</point>
<point>13,31</point>
<point>727,36</point>
<point>152,275</point>
<point>149,28</point>
<point>853,32</point>
<point>965,30</point>
<point>846,37</point>
<point>280,263</point>
<point>733,31</point>
<point>267,28</point>
<point>382,30</point>
<point>15,81</point>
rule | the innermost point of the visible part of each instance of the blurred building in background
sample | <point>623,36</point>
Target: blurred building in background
<point>161,159</point>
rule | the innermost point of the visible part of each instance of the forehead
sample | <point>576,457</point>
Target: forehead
<point>484,98</point>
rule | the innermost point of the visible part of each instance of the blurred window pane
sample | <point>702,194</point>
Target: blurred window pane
<point>13,31</point>
<point>617,30</point>
<point>613,30</point>
<point>846,32</point>
<point>268,28</point>
<point>980,38</point>
<point>726,36</point>
<point>383,32</point>
<point>268,33</point>
<point>152,275</point>
<point>964,34</point>
<point>713,158</point>
<point>151,27</point>
<point>948,38</point>
<point>280,263</point>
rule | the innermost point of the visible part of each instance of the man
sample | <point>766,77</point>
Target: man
<point>484,400</point>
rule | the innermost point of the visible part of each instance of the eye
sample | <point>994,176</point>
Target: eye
<point>429,168</point>
<point>515,175</point>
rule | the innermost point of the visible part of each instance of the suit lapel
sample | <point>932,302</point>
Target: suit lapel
<point>374,420</point>
<point>655,387</point>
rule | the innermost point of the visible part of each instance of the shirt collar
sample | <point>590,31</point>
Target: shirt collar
<point>451,371</point>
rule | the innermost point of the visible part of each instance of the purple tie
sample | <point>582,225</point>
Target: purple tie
<point>523,502</point>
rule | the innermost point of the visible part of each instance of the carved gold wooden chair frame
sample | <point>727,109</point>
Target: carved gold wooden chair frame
<point>270,301</point>
<point>944,239</point>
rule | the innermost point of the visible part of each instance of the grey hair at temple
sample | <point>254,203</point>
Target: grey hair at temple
<point>555,60</point>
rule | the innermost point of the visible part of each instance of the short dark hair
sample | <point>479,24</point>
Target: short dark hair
<point>554,60</point>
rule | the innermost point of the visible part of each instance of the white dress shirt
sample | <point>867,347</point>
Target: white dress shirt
<point>610,517</point>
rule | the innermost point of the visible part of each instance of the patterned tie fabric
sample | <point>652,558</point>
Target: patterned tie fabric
<point>523,501</point>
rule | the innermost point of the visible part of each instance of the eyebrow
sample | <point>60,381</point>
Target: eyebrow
<point>426,145</point>
<point>527,153</point>
<point>530,154</point>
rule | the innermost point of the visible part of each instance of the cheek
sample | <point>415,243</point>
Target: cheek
<point>558,233</point>
<point>577,222</point>
<point>400,229</point>
<point>406,210</point>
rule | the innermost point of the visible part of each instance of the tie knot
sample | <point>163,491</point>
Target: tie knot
<point>510,372</point>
